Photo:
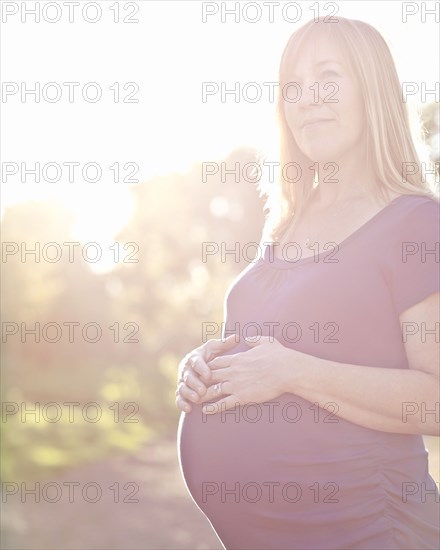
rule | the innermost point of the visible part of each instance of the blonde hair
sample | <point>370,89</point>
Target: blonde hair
<point>388,134</point>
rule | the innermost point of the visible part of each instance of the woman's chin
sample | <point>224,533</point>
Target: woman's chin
<point>321,157</point>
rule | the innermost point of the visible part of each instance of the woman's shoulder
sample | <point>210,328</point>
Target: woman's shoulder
<point>411,249</point>
<point>412,219</point>
<point>415,206</point>
<point>417,198</point>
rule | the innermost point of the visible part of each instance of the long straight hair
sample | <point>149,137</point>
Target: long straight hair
<point>389,142</point>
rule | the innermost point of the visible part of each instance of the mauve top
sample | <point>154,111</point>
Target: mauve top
<point>291,474</point>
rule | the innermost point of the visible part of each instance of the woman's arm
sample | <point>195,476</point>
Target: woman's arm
<point>389,400</point>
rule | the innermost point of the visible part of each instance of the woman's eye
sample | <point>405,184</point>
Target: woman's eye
<point>329,71</point>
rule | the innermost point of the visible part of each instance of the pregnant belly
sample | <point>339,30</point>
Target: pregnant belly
<point>287,448</point>
<point>290,474</point>
<point>291,470</point>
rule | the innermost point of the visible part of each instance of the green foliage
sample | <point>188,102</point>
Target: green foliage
<point>169,293</point>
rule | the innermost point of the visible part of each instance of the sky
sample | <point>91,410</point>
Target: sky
<point>167,56</point>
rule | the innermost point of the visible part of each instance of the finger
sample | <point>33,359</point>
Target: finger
<point>183,405</point>
<point>221,362</point>
<point>253,341</point>
<point>212,393</point>
<point>188,394</point>
<point>181,377</point>
<point>194,382</point>
<point>225,404</point>
<point>198,365</point>
<point>180,370</point>
<point>219,375</point>
<point>217,346</point>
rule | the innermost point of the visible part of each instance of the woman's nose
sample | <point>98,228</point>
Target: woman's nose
<point>311,93</point>
<point>304,93</point>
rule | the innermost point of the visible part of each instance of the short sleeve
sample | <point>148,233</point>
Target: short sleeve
<point>414,267</point>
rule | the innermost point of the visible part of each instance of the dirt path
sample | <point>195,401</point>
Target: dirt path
<point>164,518</point>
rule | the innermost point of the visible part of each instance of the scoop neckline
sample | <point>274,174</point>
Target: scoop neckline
<point>281,263</point>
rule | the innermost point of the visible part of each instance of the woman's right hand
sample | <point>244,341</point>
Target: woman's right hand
<point>193,373</point>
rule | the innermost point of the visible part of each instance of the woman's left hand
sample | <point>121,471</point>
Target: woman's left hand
<point>252,376</point>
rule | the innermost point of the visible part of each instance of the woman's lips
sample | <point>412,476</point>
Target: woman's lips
<point>315,124</point>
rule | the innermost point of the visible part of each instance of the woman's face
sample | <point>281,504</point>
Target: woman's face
<point>341,129</point>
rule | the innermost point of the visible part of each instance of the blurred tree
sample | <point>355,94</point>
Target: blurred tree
<point>168,294</point>
<point>174,289</point>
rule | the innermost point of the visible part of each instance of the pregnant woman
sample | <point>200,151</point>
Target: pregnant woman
<point>309,436</point>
